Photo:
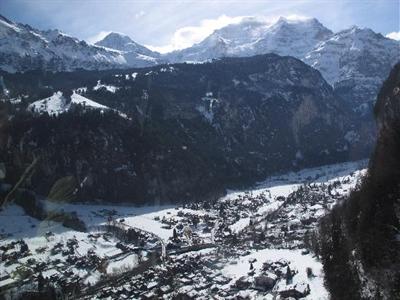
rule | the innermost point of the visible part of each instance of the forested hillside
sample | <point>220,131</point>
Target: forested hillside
<point>177,132</point>
<point>360,239</point>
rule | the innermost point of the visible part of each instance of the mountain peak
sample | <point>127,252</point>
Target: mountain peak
<point>118,41</point>
<point>57,51</point>
<point>122,42</point>
<point>292,35</point>
<point>117,36</point>
<point>301,22</point>
<point>363,33</point>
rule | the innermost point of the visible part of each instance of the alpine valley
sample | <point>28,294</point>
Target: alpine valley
<point>239,118</point>
<point>232,169</point>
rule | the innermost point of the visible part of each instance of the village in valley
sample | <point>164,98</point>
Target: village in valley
<point>254,244</point>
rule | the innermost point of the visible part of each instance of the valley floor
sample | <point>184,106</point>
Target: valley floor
<point>249,244</point>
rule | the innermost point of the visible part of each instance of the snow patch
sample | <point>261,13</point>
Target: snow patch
<point>110,88</point>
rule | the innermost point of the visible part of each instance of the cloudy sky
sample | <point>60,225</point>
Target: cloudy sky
<point>173,24</point>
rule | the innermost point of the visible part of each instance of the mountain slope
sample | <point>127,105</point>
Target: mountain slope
<point>135,54</point>
<point>360,239</point>
<point>124,43</point>
<point>193,130</point>
<point>355,62</point>
<point>24,48</point>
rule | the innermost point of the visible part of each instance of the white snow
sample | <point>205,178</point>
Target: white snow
<point>110,88</point>
<point>57,104</point>
<point>139,217</point>
<point>128,262</point>
<point>297,262</point>
<point>78,99</point>
<point>9,25</point>
<point>169,69</point>
<point>53,105</point>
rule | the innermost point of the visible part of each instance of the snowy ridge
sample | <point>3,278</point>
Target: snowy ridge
<point>24,48</point>
<point>338,57</point>
<point>254,36</point>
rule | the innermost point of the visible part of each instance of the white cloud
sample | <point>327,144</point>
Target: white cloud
<point>187,36</point>
<point>162,49</point>
<point>394,35</point>
<point>98,37</point>
<point>139,14</point>
<point>293,18</point>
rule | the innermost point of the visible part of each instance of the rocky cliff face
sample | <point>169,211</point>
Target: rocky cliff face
<point>387,108</point>
<point>189,130</point>
<point>360,238</point>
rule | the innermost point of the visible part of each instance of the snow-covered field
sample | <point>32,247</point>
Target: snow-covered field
<point>110,88</point>
<point>58,104</point>
<point>284,184</point>
<point>55,250</point>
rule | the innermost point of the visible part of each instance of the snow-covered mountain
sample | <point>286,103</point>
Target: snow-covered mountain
<point>25,48</point>
<point>355,61</point>
<point>252,36</point>
<point>122,42</point>
<point>134,53</point>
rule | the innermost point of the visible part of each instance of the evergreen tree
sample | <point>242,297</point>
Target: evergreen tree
<point>289,277</point>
